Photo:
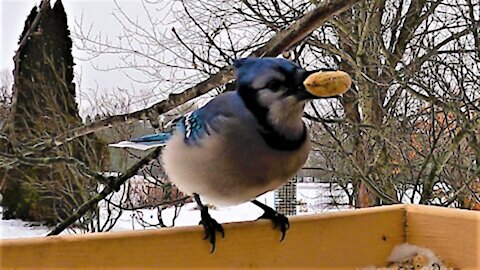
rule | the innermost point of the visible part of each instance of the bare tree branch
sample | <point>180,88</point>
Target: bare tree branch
<point>282,41</point>
<point>114,185</point>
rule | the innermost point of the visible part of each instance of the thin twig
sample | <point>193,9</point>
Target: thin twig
<point>115,184</point>
<point>282,41</point>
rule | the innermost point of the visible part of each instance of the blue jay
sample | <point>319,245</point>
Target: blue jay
<point>245,143</point>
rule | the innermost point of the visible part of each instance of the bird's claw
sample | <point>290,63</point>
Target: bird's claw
<point>278,220</point>
<point>211,227</point>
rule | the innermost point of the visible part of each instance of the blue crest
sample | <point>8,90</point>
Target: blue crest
<point>247,70</point>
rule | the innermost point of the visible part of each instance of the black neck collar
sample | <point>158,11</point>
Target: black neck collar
<point>272,137</point>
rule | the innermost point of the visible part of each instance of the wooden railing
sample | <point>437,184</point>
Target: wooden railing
<point>341,240</point>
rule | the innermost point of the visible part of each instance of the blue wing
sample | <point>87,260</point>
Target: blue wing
<point>201,123</point>
<point>158,138</point>
<point>194,126</point>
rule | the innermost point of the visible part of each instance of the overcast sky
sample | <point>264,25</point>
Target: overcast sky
<point>97,13</point>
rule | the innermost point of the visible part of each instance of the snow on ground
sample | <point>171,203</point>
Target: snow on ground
<point>312,196</point>
<point>15,228</point>
<point>189,215</point>
<point>317,198</point>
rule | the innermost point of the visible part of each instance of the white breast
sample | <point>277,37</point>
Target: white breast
<point>232,167</point>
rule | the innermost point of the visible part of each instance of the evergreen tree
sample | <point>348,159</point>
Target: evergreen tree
<point>45,107</point>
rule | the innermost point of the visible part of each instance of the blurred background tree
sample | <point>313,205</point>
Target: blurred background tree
<point>43,106</point>
<point>407,130</point>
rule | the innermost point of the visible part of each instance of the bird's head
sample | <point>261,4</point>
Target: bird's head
<point>267,79</point>
<point>275,90</point>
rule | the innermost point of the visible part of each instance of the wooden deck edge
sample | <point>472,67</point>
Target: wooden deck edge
<point>339,240</point>
<point>189,229</point>
<point>452,234</point>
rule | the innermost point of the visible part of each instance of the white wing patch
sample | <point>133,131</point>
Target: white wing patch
<point>134,145</point>
<point>188,124</point>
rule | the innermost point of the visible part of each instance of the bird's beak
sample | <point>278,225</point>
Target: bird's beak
<point>324,84</point>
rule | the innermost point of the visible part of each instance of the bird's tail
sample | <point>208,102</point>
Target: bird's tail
<point>145,142</point>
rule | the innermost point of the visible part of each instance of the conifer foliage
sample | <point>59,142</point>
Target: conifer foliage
<point>43,107</point>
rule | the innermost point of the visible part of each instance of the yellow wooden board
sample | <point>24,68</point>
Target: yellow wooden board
<point>342,240</point>
<point>452,234</point>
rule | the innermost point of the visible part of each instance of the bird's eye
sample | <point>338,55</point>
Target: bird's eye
<point>274,85</point>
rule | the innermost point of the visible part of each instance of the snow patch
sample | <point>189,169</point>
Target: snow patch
<point>314,198</point>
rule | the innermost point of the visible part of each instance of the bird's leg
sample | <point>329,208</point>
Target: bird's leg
<point>210,225</point>
<point>278,219</point>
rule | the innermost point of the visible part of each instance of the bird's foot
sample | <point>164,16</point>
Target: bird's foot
<point>211,227</point>
<point>279,220</point>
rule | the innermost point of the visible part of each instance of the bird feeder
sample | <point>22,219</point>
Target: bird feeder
<point>339,240</point>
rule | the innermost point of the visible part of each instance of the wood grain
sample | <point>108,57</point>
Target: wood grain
<point>452,234</point>
<point>342,240</point>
